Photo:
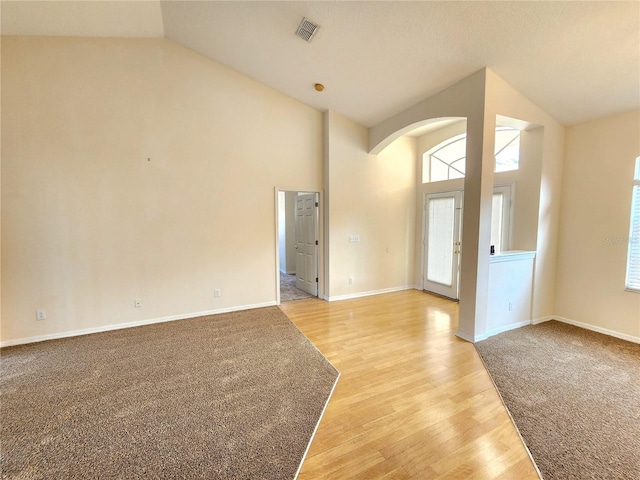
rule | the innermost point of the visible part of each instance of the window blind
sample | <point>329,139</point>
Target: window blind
<point>440,240</point>
<point>633,262</point>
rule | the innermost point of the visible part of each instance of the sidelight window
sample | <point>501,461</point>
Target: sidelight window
<point>633,259</point>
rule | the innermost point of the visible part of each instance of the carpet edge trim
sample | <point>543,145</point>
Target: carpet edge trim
<point>138,323</point>
<point>513,422</point>
<point>326,404</point>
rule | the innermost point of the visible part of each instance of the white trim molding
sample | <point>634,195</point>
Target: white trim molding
<point>504,328</point>
<point>605,331</point>
<point>468,338</point>
<point>370,293</point>
<point>536,321</point>
<point>119,326</point>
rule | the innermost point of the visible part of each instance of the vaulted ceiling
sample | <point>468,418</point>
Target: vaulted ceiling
<point>576,60</point>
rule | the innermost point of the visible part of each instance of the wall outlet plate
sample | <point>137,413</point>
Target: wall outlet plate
<point>41,315</point>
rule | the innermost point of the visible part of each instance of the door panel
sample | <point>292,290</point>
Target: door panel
<point>443,213</point>
<point>306,255</point>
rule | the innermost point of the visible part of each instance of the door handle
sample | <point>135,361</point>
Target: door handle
<point>295,246</point>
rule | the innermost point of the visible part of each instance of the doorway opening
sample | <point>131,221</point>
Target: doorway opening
<point>297,245</point>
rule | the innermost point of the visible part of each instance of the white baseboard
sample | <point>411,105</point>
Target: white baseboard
<point>606,331</point>
<point>505,328</point>
<point>536,321</point>
<point>370,293</point>
<point>466,337</point>
<point>118,326</point>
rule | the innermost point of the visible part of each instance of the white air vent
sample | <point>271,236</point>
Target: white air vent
<point>307,30</point>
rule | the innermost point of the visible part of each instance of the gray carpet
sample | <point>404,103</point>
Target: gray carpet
<point>288,290</point>
<point>231,396</point>
<point>575,397</point>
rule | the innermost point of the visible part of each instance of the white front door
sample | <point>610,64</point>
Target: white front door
<point>443,214</point>
<point>306,243</point>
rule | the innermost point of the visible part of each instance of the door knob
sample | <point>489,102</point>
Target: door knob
<point>295,246</point>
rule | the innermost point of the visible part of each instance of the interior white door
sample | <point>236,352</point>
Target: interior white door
<point>306,243</point>
<point>443,214</point>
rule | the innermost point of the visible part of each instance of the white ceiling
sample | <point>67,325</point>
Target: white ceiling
<point>576,60</point>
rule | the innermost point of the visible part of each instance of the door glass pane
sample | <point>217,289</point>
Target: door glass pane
<point>440,240</point>
<point>496,221</point>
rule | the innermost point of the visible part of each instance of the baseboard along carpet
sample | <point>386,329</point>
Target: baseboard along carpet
<point>229,396</point>
<point>575,397</point>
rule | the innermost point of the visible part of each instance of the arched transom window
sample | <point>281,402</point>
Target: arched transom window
<point>447,160</point>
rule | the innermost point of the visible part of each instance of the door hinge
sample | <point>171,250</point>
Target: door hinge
<point>316,279</point>
<point>317,204</point>
<point>316,242</point>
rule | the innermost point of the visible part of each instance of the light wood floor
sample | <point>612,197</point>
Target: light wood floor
<point>413,401</point>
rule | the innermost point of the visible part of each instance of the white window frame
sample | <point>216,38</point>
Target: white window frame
<point>632,277</point>
<point>426,159</point>
<point>507,214</point>
<point>432,152</point>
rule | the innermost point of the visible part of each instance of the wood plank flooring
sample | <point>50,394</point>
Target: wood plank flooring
<point>413,400</point>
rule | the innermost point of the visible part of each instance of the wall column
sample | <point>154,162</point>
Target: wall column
<point>476,230</point>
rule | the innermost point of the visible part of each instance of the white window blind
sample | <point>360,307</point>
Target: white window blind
<point>633,261</point>
<point>440,240</point>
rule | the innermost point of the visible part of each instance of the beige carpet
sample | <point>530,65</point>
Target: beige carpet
<point>288,290</point>
<point>575,397</point>
<point>232,396</point>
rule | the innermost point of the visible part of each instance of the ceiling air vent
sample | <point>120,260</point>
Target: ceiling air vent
<point>307,29</point>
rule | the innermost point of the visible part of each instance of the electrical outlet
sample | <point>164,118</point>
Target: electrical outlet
<point>354,238</point>
<point>350,281</point>
<point>137,303</point>
<point>41,315</point>
<point>510,306</point>
<point>216,292</point>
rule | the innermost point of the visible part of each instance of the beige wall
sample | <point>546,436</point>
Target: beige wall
<point>594,228</point>
<point>139,169</point>
<point>372,196</point>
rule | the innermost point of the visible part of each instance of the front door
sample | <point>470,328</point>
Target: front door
<point>443,214</point>
<point>306,245</point>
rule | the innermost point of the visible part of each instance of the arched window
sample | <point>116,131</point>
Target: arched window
<point>447,160</point>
